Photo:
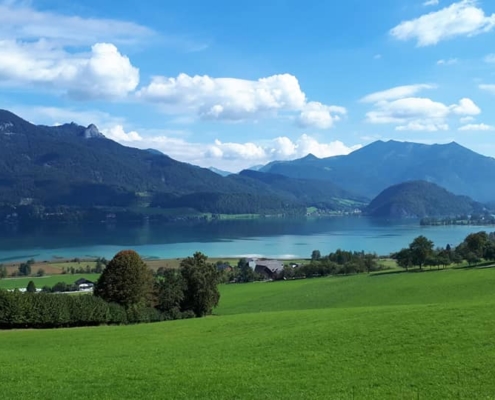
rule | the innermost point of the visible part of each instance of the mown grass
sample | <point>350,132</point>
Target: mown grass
<point>13,283</point>
<point>394,336</point>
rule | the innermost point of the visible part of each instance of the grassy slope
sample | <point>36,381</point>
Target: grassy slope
<point>357,337</point>
<point>13,283</point>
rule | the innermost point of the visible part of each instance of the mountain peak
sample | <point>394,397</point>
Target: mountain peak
<point>92,132</point>
<point>310,157</point>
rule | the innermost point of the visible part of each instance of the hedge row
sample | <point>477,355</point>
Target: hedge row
<point>44,310</point>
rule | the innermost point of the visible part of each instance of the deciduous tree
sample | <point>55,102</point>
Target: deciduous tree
<point>201,277</point>
<point>126,280</point>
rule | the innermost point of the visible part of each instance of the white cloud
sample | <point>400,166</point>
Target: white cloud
<point>431,3</point>
<point>463,18</point>
<point>231,99</point>
<point>317,115</point>
<point>396,93</point>
<point>104,73</point>
<point>465,120</point>
<point>488,88</point>
<point>466,107</point>
<point>233,156</point>
<point>415,113</point>
<point>477,127</point>
<point>22,22</point>
<point>450,61</point>
<point>421,126</point>
<point>118,134</point>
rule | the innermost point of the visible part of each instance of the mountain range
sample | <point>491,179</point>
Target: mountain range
<point>373,168</point>
<point>78,167</point>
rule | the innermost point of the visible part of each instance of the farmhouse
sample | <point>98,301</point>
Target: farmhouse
<point>269,268</point>
<point>84,285</point>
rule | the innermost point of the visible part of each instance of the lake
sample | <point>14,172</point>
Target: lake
<point>276,238</point>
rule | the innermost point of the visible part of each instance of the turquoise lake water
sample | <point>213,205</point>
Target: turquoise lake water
<point>277,238</point>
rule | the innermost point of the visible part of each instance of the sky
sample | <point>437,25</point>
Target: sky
<point>236,84</point>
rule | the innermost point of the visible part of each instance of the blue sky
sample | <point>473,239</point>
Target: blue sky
<point>234,84</point>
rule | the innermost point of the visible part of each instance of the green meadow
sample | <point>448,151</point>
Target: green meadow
<point>423,335</point>
<point>17,283</point>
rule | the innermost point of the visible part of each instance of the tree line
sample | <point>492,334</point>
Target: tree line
<point>126,292</point>
<point>421,252</point>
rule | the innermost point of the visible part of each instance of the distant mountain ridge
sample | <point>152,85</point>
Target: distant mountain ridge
<point>421,199</point>
<point>375,167</point>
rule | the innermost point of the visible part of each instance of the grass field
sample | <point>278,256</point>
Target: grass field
<point>13,283</point>
<point>389,336</point>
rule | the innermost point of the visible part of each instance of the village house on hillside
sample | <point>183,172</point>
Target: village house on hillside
<point>268,268</point>
<point>84,285</point>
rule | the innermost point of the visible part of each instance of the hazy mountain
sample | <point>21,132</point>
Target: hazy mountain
<point>420,199</point>
<point>373,168</point>
<point>220,172</point>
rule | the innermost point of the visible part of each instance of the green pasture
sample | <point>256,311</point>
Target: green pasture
<point>13,283</point>
<point>423,335</point>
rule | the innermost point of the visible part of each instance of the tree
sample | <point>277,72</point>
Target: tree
<point>25,269</point>
<point>126,280</point>
<point>169,290</point>
<point>404,258</point>
<point>201,278</point>
<point>370,263</point>
<point>315,255</point>
<point>244,272</point>
<point>421,249</point>
<point>3,271</point>
<point>41,272</point>
<point>476,243</point>
<point>31,287</point>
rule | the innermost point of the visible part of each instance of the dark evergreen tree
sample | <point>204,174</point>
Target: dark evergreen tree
<point>31,287</point>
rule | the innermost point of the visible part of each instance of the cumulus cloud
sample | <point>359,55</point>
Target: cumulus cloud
<point>466,107</point>
<point>415,113</point>
<point>118,134</point>
<point>231,99</point>
<point>232,156</point>
<point>431,3</point>
<point>104,73</point>
<point>463,18</point>
<point>315,114</point>
<point>477,127</point>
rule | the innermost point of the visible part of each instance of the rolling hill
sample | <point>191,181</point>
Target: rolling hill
<point>373,168</point>
<point>420,199</point>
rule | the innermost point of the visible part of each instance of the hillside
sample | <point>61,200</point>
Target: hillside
<point>373,168</point>
<point>386,336</point>
<point>75,166</point>
<point>420,199</point>
<point>311,192</point>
